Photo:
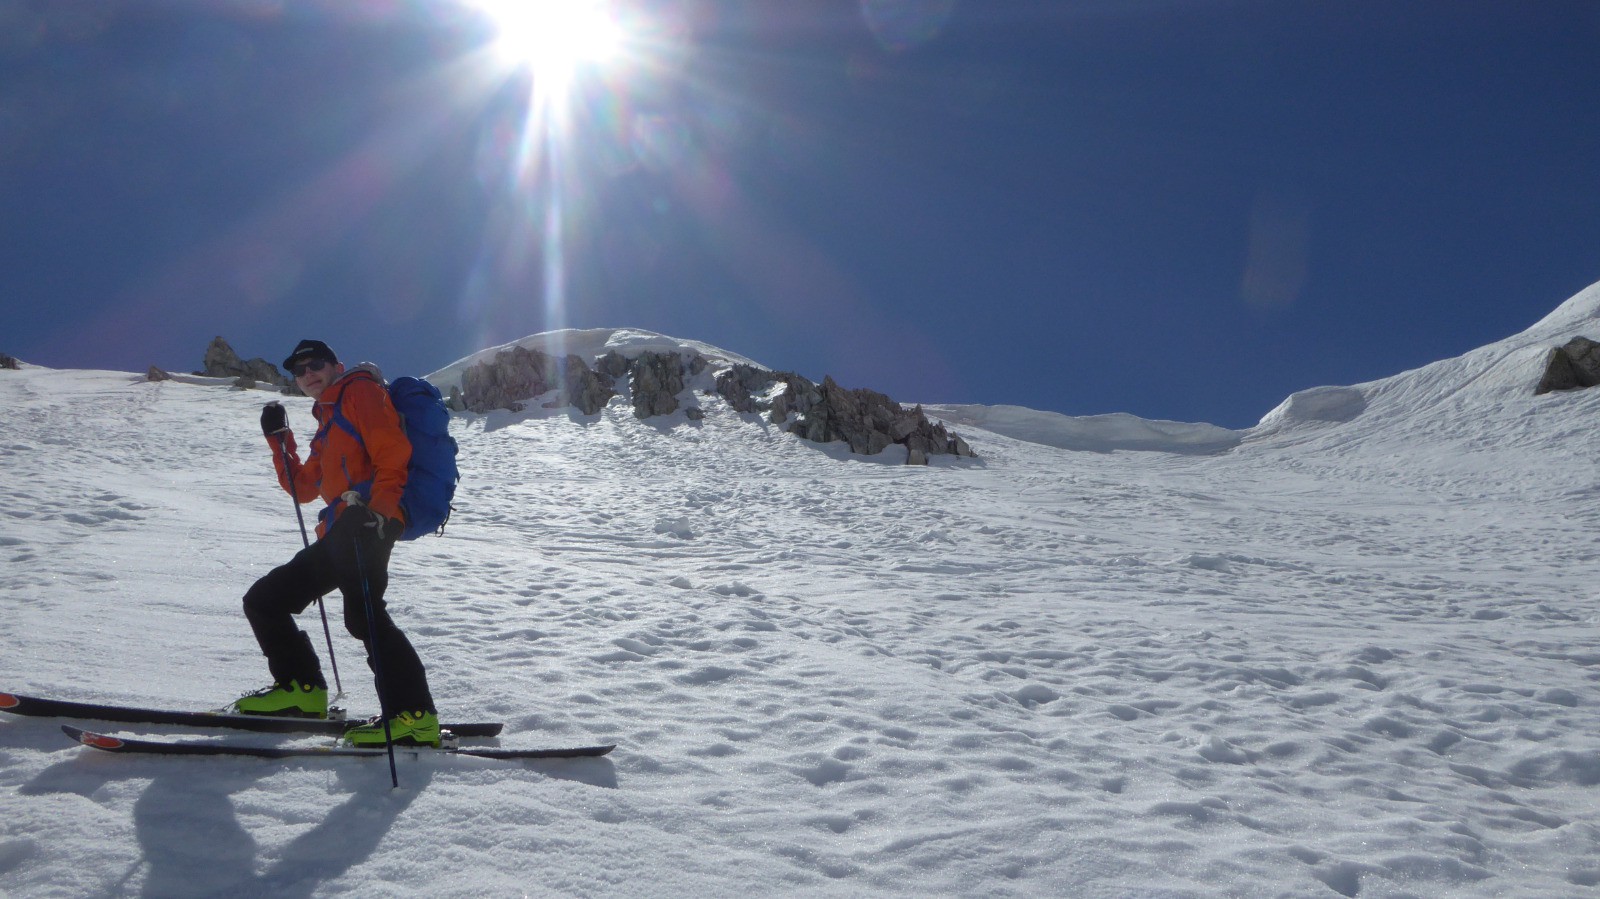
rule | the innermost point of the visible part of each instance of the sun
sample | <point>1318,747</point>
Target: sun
<point>559,43</point>
<point>553,38</point>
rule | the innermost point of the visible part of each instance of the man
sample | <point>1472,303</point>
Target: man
<point>358,467</point>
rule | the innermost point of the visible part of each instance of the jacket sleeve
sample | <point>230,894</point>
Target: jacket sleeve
<point>367,406</point>
<point>298,480</point>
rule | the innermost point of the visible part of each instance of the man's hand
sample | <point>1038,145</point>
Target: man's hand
<point>274,420</point>
<point>383,528</point>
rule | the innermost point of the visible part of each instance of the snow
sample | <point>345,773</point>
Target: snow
<point>1353,653</point>
<point>1090,433</point>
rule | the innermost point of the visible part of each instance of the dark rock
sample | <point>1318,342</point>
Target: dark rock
<point>741,386</point>
<point>512,375</point>
<point>222,362</point>
<point>657,379</point>
<point>613,365</point>
<point>519,374</point>
<point>9,362</point>
<point>745,388</point>
<point>861,418</point>
<point>1571,367</point>
<point>867,420</point>
<point>587,390</point>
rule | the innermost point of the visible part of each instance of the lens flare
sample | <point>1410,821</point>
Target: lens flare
<point>553,41</point>
<point>553,37</point>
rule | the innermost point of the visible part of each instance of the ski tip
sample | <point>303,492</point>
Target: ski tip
<point>9,701</point>
<point>98,741</point>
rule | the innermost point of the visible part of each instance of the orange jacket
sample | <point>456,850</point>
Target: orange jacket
<point>373,465</point>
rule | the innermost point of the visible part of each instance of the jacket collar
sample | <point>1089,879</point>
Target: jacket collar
<point>336,390</point>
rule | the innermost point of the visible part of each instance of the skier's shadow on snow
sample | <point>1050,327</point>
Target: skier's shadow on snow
<point>192,841</point>
<point>195,844</point>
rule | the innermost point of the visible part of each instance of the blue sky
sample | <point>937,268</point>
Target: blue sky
<point>1182,209</point>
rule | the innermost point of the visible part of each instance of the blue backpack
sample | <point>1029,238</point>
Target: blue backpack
<point>432,475</point>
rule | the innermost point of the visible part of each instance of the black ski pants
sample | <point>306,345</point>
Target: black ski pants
<point>342,559</point>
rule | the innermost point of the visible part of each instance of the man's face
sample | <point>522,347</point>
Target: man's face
<point>315,375</point>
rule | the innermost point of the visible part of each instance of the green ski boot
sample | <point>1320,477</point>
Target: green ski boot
<point>407,728</point>
<point>292,701</point>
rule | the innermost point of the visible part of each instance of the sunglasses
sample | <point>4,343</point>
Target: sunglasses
<point>312,365</point>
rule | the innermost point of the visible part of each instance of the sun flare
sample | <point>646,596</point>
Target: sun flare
<point>575,54</point>
<point>553,37</point>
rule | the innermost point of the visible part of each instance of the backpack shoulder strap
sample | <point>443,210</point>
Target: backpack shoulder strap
<point>337,417</point>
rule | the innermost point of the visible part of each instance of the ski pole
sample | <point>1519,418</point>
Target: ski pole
<point>299,516</point>
<point>377,663</point>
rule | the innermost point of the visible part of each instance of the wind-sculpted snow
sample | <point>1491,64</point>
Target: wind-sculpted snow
<point>1092,433</point>
<point>1349,657</point>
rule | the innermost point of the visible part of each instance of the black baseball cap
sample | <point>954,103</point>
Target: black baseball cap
<point>308,350</point>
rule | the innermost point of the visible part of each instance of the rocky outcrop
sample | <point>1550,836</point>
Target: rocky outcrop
<point>516,375</point>
<point>656,381</point>
<point>588,390</point>
<point>743,385</point>
<point>613,365</point>
<point>9,362</point>
<point>157,374</point>
<point>752,390</point>
<point>1571,367</point>
<point>868,421</point>
<point>222,362</point>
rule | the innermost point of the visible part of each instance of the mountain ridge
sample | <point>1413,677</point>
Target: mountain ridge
<point>1505,367</point>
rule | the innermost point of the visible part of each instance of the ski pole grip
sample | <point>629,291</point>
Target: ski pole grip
<point>274,420</point>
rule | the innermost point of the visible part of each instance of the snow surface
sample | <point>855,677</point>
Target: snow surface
<point>1090,433</point>
<point>1355,654</point>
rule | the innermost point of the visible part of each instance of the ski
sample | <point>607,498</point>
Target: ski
<point>206,747</point>
<point>34,706</point>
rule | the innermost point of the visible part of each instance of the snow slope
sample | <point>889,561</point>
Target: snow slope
<point>1355,654</point>
<point>1090,433</point>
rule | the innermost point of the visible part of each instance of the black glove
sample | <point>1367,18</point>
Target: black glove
<point>383,528</point>
<point>274,420</point>
<point>387,529</point>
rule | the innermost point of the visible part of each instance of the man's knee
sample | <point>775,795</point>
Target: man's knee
<point>256,601</point>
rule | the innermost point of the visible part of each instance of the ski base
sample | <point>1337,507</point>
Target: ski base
<point>34,706</point>
<point>202,747</point>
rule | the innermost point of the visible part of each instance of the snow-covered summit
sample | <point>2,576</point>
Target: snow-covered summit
<point>590,345</point>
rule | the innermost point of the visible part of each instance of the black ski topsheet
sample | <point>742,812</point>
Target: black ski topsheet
<point>213,747</point>
<point>34,706</point>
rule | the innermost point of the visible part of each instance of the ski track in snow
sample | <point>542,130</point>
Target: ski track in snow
<point>1345,658</point>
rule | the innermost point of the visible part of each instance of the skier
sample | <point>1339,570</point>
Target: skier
<point>357,466</point>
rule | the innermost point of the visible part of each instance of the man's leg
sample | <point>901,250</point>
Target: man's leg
<point>271,604</point>
<point>404,686</point>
